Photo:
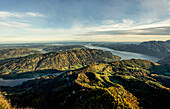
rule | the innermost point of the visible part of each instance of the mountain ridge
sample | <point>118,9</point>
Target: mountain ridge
<point>60,60</point>
<point>158,49</point>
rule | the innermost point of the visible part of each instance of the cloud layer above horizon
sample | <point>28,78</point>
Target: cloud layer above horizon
<point>84,20</point>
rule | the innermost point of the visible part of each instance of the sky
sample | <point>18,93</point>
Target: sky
<point>84,20</point>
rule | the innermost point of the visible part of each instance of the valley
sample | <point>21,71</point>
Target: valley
<point>84,54</point>
<point>61,77</point>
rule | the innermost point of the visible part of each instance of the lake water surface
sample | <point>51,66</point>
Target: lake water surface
<point>125,55</point>
<point>15,82</point>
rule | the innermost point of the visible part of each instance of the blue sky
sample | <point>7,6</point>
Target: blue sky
<point>84,20</point>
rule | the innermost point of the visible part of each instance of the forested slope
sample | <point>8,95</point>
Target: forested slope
<point>122,84</point>
<point>63,60</point>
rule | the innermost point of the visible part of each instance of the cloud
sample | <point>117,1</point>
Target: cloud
<point>145,31</point>
<point>5,14</point>
<point>88,19</point>
<point>154,9</point>
<point>15,23</point>
<point>34,14</point>
<point>125,28</point>
<point>105,22</point>
<point>11,24</point>
<point>6,36</point>
<point>128,26</point>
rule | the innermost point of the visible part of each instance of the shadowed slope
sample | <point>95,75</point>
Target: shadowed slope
<point>123,84</point>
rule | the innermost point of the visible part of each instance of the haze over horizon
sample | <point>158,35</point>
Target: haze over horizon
<point>84,20</point>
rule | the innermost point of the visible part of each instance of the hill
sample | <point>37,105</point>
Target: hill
<point>6,53</point>
<point>62,48</point>
<point>158,49</point>
<point>165,60</point>
<point>21,50</point>
<point>4,104</point>
<point>64,60</point>
<point>122,84</point>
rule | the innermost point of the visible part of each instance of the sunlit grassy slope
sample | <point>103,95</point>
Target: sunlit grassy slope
<point>65,60</point>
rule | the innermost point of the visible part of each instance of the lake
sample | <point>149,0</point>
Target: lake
<point>125,55</point>
<point>15,82</point>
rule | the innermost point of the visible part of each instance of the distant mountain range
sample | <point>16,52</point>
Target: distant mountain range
<point>160,49</point>
<point>63,48</point>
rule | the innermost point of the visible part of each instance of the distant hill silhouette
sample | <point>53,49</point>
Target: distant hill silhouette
<point>160,49</point>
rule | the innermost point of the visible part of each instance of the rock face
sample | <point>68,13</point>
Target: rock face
<point>64,60</point>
